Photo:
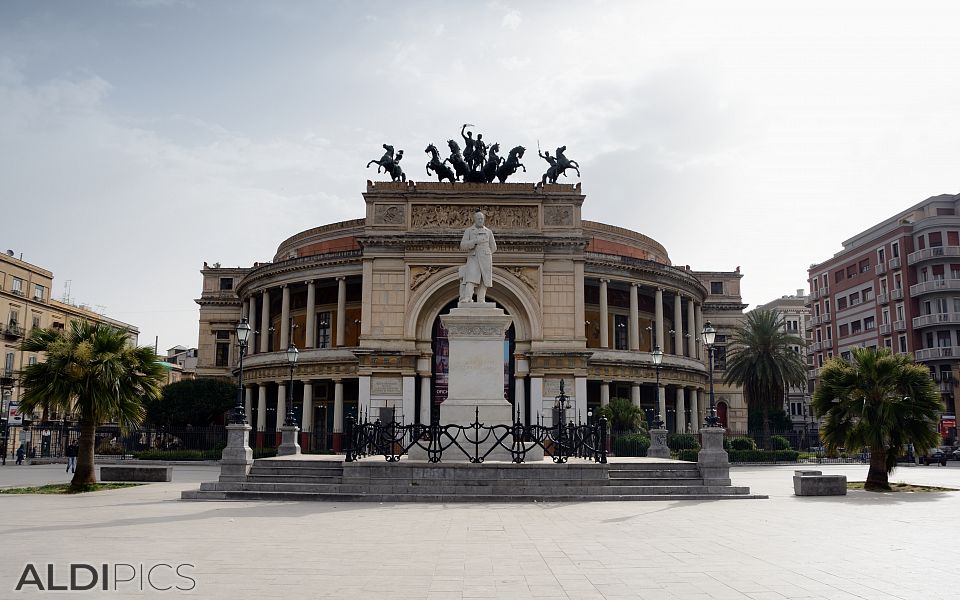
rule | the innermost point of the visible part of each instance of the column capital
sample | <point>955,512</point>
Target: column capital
<point>635,284</point>
<point>604,280</point>
<point>309,282</point>
<point>341,277</point>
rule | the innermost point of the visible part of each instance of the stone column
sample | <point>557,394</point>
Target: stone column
<point>306,422</point>
<point>681,420</point>
<point>694,410</point>
<point>691,329</point>
<point>658,320</point>
<point>285,318</point>
<point>265,323</point>
<point>635,394</point>
<point>338,411</point>
<point>248,402</point>
<point>409,399</point>
<point>662,403</point>
<point>521,370</point>
<point>426,401</point>
<point>536,400</point>
<point>604,316</point>
<point>604,393</point>
<point>245,310</point>
<point>678,324</point>
<point>252,320</point>
<point>310,338</point>
<point>341,310</point>
<point>281,408</point>
<point>580,407</point>
<point>363,398</point>
<point>261,413</point>
<point>634,333</point>
<point>700,352</point>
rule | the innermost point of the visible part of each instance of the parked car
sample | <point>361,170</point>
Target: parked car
<point>955,454</point>
<point>934,455</point>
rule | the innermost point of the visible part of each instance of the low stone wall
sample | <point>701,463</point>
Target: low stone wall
<point>136,473</point>
<point>815,483</point>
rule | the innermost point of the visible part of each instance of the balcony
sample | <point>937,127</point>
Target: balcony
<point>885,328</point>
<point>7,375</point>
<point>899,325</point>
<point>815,347</point>
<point>17,292</point>
<point>880,269</point>
<point>826,317</point>
<point>935,285</point>
<point>936,319</point>
<point>896,294</point>
<point>932,253</point>
<point>937,353</point>
<point>820,292</point>
<point>894,263</point>
<point>13,331</point>
<point>814,373</point>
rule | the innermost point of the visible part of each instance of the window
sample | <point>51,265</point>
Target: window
<point>888,343</point>
<point>921,242</point>
<point>620,332</point>
<point>864,265</point>
<point>845,355</point>
<point>838,276</point>
<point>900,312</point>
<point>14,318</point>
<point>826,306</point>
<point>17,286</point>
<point>38,292</point>
<point>793,325</point>
<point>36,322</point>
<point>323,330</point>
<point>953,238</point>
<point>8,362</point>
<point>819,336</point>
<point>903,343</point>
<point>885,316</point>
<point>841,303</point>
<point>851,271</point>
<point>223,335</point>
<point>829,329</point>
<point>716,287</point>
<point>895,249</point>
<point>32,360</point>
<point>936,238</point>
<point>844,330</point>
<point>819,360</point>
<point>226,283</point>
<point>719,357</point>
<point>854,298</point>
<point>855,327</point>
<point>867,293</point>
<point>897,281</point>
<point>883,285</point>
<point>870,323</point>
<point>880,255</point>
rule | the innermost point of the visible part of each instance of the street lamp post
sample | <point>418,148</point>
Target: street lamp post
<point>239,413</point>
<point>292,355</point>
<point>708,335</point>
<point>657,355</point>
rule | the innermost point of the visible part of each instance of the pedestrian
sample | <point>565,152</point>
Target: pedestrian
<point>72,452</point>
<point>20,454</point>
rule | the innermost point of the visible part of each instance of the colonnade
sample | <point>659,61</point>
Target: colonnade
<point>691,323</point>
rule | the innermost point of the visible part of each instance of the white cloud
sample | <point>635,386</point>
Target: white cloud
<point>511,20</point>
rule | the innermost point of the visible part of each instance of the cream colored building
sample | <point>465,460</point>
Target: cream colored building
<point>26,304</point>
<point>361,300</point>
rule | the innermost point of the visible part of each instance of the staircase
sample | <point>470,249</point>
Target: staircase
<point>374,480</point>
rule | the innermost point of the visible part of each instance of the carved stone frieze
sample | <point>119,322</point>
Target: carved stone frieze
<point>455,216</point>
<point>528,275</point>
<point>389,214</point>
<point>419,275</point>
<point>558,215</point>
<point>475,330</point>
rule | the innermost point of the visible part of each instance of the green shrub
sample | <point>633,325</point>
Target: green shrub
<point>688,455</point>
<point>743,443</point>
<point>264,452</point>
<point>764,456</point>
<point>683,441</point>
<point>107,447</point>
<point>213,454</point>
<point>726,443</point>
<point>632,444</point>
<point>778,442</point>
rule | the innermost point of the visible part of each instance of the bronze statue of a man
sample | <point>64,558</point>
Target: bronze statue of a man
<point>477,274</point>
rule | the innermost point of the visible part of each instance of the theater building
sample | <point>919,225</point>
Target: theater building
<point>361,300</point>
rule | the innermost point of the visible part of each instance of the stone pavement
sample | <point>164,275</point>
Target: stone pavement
<point>870,546</point>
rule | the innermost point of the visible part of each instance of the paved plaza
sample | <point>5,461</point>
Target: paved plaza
<point>871,546</point>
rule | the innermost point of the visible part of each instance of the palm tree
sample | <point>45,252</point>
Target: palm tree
<point>881,401</point>
<point>93,373</point>
<point>623,415</point>
<point>762,362</point>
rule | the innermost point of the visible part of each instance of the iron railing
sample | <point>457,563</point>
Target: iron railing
<point>476,442</point>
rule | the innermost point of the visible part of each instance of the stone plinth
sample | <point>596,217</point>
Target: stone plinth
<point>237,456</point>
<point>136,473</point>
<point>712,460</point>
<point>289,444</point>
<point>658,444</point>
<point>476,331</point>
<point>815,483</point>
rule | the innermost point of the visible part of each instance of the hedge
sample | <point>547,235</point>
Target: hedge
<point>742,443</point>
<point>179,454</point>
<point>688,455</point>
<point>683,441</point>
<point>778,442</point>
<point>764,455</point>
<point>631,444</point>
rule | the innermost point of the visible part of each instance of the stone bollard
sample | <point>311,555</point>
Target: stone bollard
<point>658,444</point>
<point>712,459</point>
<point>289,444</point>
<point>237,455</point>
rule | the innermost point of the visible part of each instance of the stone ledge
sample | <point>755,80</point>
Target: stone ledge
<point>136,473</point>
<point>815,483</point>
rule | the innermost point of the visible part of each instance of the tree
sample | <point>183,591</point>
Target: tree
<point>195,402</point>
<point>623,415</point>
<point>881,401</point>
<point>95,374</point>
<point>763,362</point>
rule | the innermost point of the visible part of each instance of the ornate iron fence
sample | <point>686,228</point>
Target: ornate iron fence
<point>476,442</point>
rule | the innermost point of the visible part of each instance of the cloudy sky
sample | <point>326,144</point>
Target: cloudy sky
<point>139,138</point>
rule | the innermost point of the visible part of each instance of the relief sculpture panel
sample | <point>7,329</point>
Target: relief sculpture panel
<point>452,216</point>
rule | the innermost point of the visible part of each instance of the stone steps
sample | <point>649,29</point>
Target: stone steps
<point>410,481</point>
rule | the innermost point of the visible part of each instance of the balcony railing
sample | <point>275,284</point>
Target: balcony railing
<point>896,294</point>
<point>899,325</point>
<point>937,353</point>
<point>885,328</point>
<point>930,253</point>
<point>936,319</point>
<point>17,292</point>
<point>934,286</point>
<point>815,347</point>
<point>820,292</point>
<point>880,269</point>
<point>13,331</point>
<point>826,317</point>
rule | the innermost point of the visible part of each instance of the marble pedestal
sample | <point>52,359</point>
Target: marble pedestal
<point>237,456</point>
<point>658,444</point>
<point>289,444</point>
<point>713,460</point>
<point>475,331</point>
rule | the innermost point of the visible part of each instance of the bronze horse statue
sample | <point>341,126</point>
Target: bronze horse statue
<point>442,170</point>
<point>509,167</point>
<point>558,165</point>
<point>456,160</point>
<point>490,167</point>
<point>390,164</point>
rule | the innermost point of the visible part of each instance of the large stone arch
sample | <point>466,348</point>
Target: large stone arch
<point>511,293</point>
